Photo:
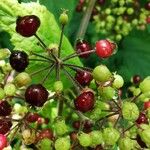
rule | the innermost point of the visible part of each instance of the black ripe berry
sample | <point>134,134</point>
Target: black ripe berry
<point>5,126</point>
<point>27,25</point>
<point>83,46</point>
<point>5,108</point>
<point>83,77</point>
<point>147,5</point>
<point>19,60</point>
<point>85,101</point>
<point>36,95</point>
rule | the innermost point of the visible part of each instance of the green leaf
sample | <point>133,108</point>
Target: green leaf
<point>49,32</point>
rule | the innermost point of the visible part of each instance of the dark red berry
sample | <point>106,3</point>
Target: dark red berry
<point>27,25</point>
<point>73,136</point>
<point>3,141</point>
<point>36,95</point>
<point>32,117</point>
<point>45,133</point>
<point>140,142</point>
<point>148,19</point>
<point>85,101</point>
<point>101,2</point>
<point>146,105</point>
<point>147,6</point>
<point>136,79</point>
<point>142,119</point>
<point>104,48</point>
<point>5,126</point>
<point>40,121</point>
<point>83,46</point>
<point>5,108</point>
<point>83,77</point>
<point>19,60</point>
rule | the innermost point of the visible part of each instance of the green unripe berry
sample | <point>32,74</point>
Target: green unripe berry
<point>1,77</point>
<point>63,19</point>
<point>145,136</point>
<point>126,144</point>
<point>101,73</point>
<point>110,136</point>
<point>58,86</point>
<point>108,11</point>
<point>96,138</point>
<point>130,11</point>
<point>22,79</point>
<point>118,37</point>
<point>130,111</point>
<point>85,139</point>
<point>10,89</point>
<point>118,81</point>
<point>45,144</point>
<point>7,68</point>
<point>53,48</point>
<point>2,94</point>
<point>62,143</point>
<point>145,85</point>
<point>4,53</point>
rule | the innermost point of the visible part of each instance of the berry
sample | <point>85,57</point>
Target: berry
<point>104,48</point>
<point>101,2</point>
<point>63,19</point>
<point>3,141</point>
<point>36,95</point>
<point>32,117</point>
<point>142,119</point>
<point>5,108</point>
<point>45,133</point>
<point>147,5</point>
<point>130,111</point>
<point>83,77</point>
<point>62,143</point>
<point>144,85</point>
<point>2,94</point>
<point>87,125</point>
<point>118,81</point>
<point>85,101</point>
<point>27,25</point>
<point>5,126</point>
<point>85,139</point>
<point>148,19</point>
<point>9,89</point>
<point>19,60</point>
<point>73,136</point>
<point>45,144</point>
<point>58,86</point>
<point>147,105</point>
<point>136,79</point>
<point>22,79</point>
<point>83,46</point>
<point>101,73</point>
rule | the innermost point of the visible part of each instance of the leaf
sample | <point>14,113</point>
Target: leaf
<point>49,32</point>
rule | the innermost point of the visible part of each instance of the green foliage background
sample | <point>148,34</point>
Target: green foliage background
<point>133,55</point>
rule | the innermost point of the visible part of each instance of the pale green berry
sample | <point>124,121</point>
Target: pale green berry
<point>108,11</point>
<point>58,86</point>
<point>62,143</point>
<point>2,94</point>
<point>110,135</point>
<point>10,89</point>
<point>130,111</point>
<point>118,37</point>
<point>85,139</point>
<point>145,135</point>
<point>22,79</point>
<point>101,73</point>
<point>130,11</point>
<point>7,68</point>
<point>136,92</point>
<point>145,85</point>
<point>45,144</point>
<point>118,81</point>
<point>1,77</point>
<point>63,19</point>
<point>97,138</point>
<point>4,53</point>
<point>53,48</point>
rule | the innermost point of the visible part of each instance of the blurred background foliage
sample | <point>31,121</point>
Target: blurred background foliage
<point>133,56</point>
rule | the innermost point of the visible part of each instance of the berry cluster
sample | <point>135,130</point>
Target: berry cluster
<point>116,18</point>
<point>93,115</point>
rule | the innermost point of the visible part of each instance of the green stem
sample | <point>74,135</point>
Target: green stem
<point>85,21</point>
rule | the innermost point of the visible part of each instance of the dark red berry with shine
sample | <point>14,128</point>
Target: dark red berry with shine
<point>32,117</point>
<point>36,95</point>
<point>5,126</point>
<point>83,77</point>
<point>83,46</point>
<point>45,133</point>
<point>142,119</point>
<point>5,108</point>
<point>136,79</point>
<point>146,105</point>
<point>147,6</point>
<point>104,48</point>
<point>3,141</point>
<point>140,142</point>
<point>19,60</point>
<point>85,101</point>
<point>27,25</point>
